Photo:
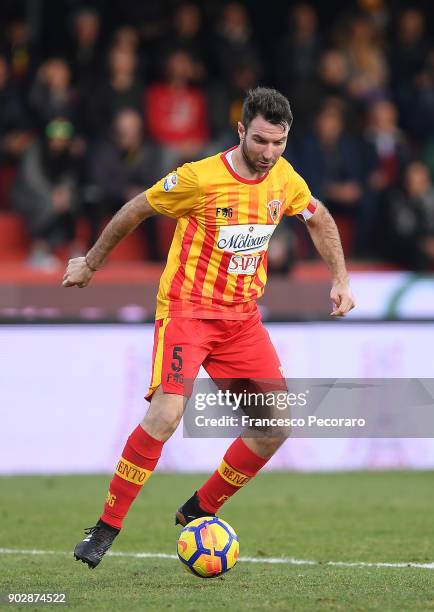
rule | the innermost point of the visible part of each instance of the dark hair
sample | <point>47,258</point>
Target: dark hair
<point>270,104</point>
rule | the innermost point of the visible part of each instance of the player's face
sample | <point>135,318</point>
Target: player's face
<point>262,143</point>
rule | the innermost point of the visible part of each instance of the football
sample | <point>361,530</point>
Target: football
<point>208,547</point>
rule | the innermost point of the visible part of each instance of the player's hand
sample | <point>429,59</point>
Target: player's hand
<point>342,298</point>
<point>77,273</point>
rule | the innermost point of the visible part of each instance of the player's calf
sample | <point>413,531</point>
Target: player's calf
<point>268,445</point>
<point>135,466</point>
<point>239,465</point>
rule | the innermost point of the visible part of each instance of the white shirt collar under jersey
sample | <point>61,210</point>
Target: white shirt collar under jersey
<point>228,156</point>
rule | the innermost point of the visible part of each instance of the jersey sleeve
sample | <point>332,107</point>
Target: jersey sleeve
<point>177,194</point>
<point>298,195</point>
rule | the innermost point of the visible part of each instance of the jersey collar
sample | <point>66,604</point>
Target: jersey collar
<point>236,175</point>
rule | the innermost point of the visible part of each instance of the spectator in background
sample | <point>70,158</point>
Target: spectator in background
<point>330,82</point>
<point>15,134</point>
<point>176,112</point>
<point>367,66</point>
<point>187,35</point>
<point>123,88</point>
<point>120,168</point>
<point>420,120</point>
<point>151,20</point>
<point>333,75</point>
<point>127,37</point>
<point>224,105</point>
<point>377,12</point>
<point>407,57</point>
<point>46,192</point>
<point>385,153</point>
<point>52,94</point>
<point>199,76</point>
<point>329,160</point>
<point>389,142</point>
<point>234,41</point>
<point>298,52</point>
<point>85,54</point>
<point>21,54</point>
<point>411,220</point>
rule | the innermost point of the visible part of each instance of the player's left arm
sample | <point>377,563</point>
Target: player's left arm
<point>325,236</point>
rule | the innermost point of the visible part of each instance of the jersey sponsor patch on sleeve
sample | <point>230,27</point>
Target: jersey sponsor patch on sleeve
<point>170,181</point>
<point>307,212</point>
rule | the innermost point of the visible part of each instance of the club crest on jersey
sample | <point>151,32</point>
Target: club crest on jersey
<point>274,209</point>
<point>170,181</point>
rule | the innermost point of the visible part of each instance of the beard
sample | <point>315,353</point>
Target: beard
<point>247,157</point>
<point>249,161</point>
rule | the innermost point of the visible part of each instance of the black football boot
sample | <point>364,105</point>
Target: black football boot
<point>189,511</point>
<point>96,543</point>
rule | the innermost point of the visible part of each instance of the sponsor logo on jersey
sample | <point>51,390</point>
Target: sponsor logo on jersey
<point>243,264</point>
<point>244,238</point>
<point>226,213</point>
<point>274,210</point>
<point>170,181</point>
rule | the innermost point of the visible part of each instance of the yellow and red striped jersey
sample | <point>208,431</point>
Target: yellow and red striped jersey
<point>217,263</point>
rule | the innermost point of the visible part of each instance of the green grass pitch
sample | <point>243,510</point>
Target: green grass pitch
<point>347,517</point>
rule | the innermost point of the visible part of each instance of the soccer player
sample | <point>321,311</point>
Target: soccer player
<point>227,207</point>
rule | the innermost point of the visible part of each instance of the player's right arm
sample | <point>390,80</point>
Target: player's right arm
<point>175,195</point>
<point>80,270</point>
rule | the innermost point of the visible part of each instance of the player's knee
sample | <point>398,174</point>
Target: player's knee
<point>161,426</point>
<point>268,445</point>
<point>163,415</point>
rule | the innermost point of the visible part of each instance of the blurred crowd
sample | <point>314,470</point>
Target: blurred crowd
<point>98,112</point>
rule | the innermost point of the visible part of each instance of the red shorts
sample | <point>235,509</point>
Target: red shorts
<point>226,349</point>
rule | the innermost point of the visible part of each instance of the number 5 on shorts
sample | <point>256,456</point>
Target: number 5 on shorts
<point>177,359</point>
